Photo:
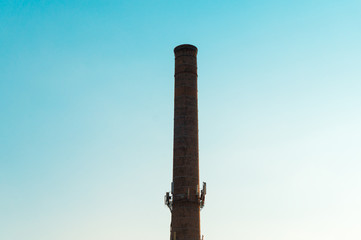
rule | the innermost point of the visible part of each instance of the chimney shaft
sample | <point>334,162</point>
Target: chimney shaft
<point>186,195</point>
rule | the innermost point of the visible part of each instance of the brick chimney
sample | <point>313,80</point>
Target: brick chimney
<point>185,199</point>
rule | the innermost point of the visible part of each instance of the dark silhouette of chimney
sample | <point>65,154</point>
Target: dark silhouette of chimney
<point>185,199</point>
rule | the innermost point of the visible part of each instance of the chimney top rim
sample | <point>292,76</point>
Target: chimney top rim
<point>185,46</point>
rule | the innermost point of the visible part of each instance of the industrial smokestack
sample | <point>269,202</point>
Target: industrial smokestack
<point>185,200</point>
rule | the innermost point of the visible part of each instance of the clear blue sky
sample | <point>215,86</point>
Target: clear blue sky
<point>86,118</point>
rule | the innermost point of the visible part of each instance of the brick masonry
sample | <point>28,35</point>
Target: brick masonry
<point>186,204</point>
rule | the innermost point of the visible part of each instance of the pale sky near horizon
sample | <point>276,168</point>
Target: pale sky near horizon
<point>86,118</point>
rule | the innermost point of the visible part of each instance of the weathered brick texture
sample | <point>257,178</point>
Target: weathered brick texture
<point>186,207</point>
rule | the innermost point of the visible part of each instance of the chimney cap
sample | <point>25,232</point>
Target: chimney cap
<point>185,46</point>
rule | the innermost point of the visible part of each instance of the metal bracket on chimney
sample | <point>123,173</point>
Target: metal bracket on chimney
<point>202,198</point>
<point>168,199</point>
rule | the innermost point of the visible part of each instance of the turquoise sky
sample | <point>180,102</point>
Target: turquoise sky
<point>86,118</point>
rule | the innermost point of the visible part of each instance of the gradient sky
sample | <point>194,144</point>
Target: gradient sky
<point>86,118</point>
